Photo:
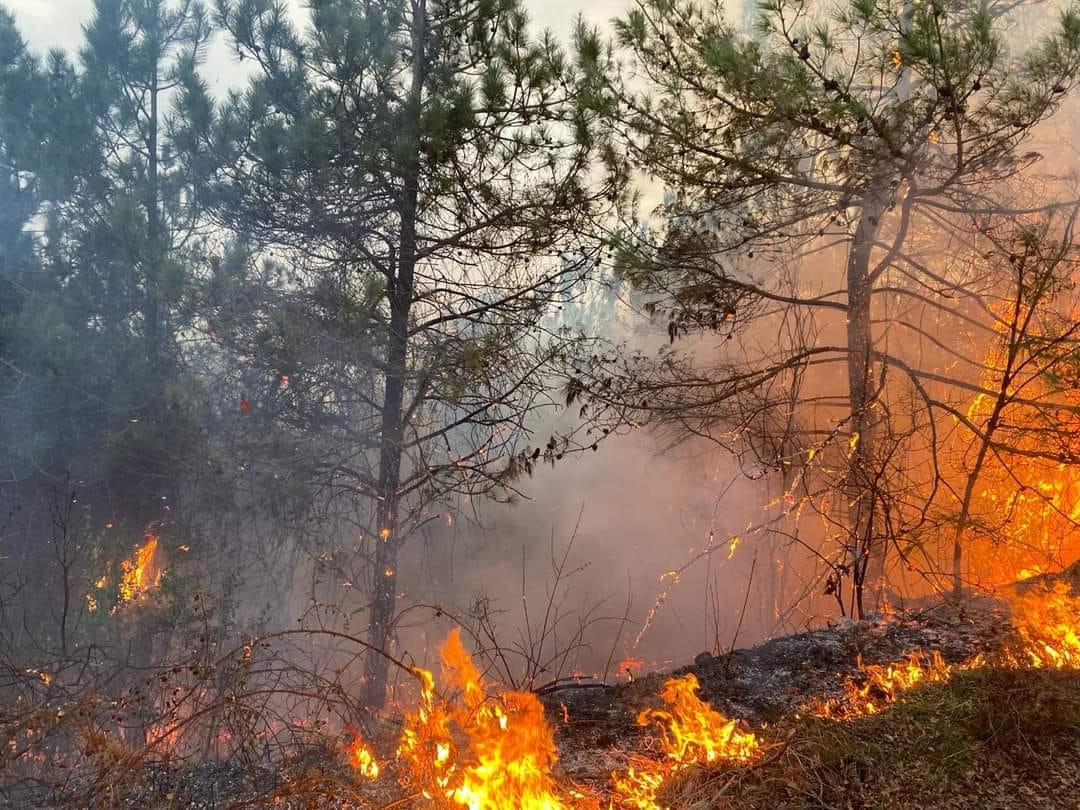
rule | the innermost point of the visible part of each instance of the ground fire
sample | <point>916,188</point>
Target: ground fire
<point>530,405</point>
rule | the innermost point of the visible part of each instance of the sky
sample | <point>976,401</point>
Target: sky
<point>58,23</point>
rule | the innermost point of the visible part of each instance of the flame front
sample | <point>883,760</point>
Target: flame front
<point>879,685</point>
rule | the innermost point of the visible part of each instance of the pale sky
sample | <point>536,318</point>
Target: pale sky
<point>58,24</point>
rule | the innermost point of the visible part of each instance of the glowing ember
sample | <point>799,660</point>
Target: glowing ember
<point>1048,622</point>
<point>363,759</point>
<point>691,733</point>
<point>507,749</point>
<point>141,572</point>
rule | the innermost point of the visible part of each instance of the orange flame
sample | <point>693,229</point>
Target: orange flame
<point>363,758</point>
<point>506,752</point>
<point>878,685</point>
<point>691,732</point>
<point>1048,622</point>
<point>141,572</point>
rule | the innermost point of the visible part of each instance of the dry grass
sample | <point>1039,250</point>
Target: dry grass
<point>985,739</point>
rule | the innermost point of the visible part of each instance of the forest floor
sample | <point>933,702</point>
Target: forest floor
<point>982,737</point>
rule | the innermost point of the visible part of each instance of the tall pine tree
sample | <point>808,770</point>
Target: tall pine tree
<point>433,182</point>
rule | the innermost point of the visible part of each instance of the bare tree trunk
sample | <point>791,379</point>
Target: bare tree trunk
<point>865,559</point>
<point>1017,330</point>
<point>965,506</point>
<point>400,294</point>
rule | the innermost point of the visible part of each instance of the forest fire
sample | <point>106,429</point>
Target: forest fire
<point>1048,622</point>
<point>480,752</point>
<point>691,733</point>
<point>785,291</point>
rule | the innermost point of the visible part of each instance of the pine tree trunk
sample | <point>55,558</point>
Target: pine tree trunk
<point>153,489</point>
<point>400,294</point>
<point>866,559</point>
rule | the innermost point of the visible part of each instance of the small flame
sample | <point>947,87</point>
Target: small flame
<point>630,666</point>
<point>363,759</point>
<point>141,572</point>
<point>507,750</point>
<point>691,733</point>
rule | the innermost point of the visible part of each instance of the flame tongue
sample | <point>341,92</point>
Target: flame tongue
<point>507,750</point>
<point>691,733</point>
<point>363,758</point>
<point>141,572</point>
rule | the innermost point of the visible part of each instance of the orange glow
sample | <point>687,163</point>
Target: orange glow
<point>141,572</point>
<point>1025,510</point>
<point>1048,623</point>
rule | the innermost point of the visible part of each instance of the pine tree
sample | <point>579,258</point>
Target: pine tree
<point>107,230</point>
<point>431,180</point>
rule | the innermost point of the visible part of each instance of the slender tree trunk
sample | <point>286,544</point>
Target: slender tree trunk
<point>866,559</point>
<point>868,556</point>
<point>148,507</point>
<point>1016,330</point>
<point>965,506</point>
<point>152,270</point>
<point>400,294</point>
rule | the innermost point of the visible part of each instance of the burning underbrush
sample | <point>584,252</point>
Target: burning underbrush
<point>939,708</point>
